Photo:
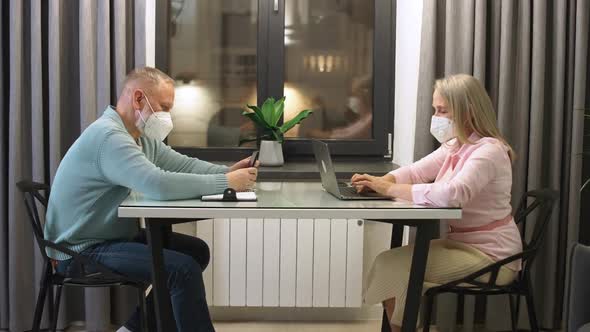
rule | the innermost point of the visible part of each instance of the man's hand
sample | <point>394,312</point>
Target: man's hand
<point>244,163</point>
<point>357,178</point>
<point>242,179</point>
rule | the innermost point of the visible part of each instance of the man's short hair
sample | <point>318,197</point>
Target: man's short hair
<point>146,77</point>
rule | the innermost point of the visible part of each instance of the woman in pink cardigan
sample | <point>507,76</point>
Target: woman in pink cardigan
<point>472,169</point>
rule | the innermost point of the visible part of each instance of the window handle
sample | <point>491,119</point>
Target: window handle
<point>276,5</point>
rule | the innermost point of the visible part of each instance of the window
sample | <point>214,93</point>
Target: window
<point>333,56</point>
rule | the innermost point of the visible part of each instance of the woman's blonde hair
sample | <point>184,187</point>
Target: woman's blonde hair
<point>471,108</point>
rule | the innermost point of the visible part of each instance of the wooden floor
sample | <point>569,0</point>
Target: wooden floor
<point>363,326</point>
<point>357,326</point>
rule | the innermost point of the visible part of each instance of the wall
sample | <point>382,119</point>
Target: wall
<point>145,32</point>
<point>409,25</point>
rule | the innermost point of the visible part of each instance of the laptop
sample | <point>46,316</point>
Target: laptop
<point>338,189</point>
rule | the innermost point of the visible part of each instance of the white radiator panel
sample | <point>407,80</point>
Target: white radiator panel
<point>282,262</point>
<point>338,244</point>
<point>304,288</point>
<point>321,263</point>
<point>189,228</point>
<point>271,263</point>
<point>237,263</point>
<point>288,263</point>
<point>205,232</point>
<point>221,242</point>
<point>255,256</point>
<point>354,263</point>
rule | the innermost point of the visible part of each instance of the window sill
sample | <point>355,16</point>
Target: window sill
<point>308,170</point>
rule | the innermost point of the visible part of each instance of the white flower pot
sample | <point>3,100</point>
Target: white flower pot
<point>271,153</point>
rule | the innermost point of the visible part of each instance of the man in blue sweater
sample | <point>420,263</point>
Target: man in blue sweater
<point>123,151</point>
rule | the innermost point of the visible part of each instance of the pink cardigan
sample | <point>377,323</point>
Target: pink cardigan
<point>476,177</point>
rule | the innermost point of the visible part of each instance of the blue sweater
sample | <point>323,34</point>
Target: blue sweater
<point>99,171</point>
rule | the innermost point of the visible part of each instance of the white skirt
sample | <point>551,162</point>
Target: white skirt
<point>447,261</point>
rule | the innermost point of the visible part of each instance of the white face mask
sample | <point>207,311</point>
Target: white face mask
<point>354,103</point>
<point>157,126</point>
<point>442,129</point>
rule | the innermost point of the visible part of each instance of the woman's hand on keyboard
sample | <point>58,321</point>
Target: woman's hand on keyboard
<point>357,178</point>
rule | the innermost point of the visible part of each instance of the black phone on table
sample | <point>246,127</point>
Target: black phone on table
<point>253,158</point>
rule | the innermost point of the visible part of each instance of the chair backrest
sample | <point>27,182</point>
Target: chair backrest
<point>541,202</point>
<point>35,193</point>
<point>38,193</point>
<point>578,311</point>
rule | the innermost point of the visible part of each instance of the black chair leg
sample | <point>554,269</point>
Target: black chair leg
<point>531,310</point>
<point>56,306</point>
<point>517,315</point>
<point>50,302</point>
<point>40,305</point>
<point>513,313</point>
<point>142,311</point>
<point>426,320</point>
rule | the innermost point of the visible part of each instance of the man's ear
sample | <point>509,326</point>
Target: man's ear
<point>136,97</point>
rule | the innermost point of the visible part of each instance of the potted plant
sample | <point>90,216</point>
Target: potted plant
<point>266,119</point>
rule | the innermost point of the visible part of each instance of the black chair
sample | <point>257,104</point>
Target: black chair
<point>86,272</point>
<point>542,202</point>
<point>578,314</point>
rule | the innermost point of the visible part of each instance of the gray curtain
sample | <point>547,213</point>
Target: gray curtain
<point>63,62</point>
<point>532,56</point>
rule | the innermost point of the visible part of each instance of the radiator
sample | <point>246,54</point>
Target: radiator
<point>282,262</point>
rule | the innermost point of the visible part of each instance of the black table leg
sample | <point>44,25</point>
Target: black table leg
<point>425,232</point>
<point>162,303</point>
<point>397,234</point>
<point>166,232</point>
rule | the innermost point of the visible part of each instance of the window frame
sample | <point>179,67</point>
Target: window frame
<point>270,74</point>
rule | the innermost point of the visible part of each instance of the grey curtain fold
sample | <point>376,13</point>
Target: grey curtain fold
<point>578,97</point>
<point>18,126</point>
<point>140,30</point>
<point>4,305</point>
<point>63,62</point>
<point>532,56</point>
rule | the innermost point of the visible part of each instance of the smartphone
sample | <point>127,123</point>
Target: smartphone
<point>253,158</point>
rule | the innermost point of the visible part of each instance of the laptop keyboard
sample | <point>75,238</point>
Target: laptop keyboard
<point>349,191</point>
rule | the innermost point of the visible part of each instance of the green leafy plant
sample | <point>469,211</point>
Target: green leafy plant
<point>267,119</point>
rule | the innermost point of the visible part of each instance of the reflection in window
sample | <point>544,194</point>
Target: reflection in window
<point>328,66</point>
<point>213,61</point>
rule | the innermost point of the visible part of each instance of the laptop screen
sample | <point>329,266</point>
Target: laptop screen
<point>326,168</point>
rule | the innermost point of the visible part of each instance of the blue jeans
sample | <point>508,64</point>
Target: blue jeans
<point>185,259</point>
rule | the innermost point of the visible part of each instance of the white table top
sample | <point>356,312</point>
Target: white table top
<point>283,200</point>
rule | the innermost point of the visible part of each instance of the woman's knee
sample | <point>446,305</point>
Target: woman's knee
<point>392,255</point>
